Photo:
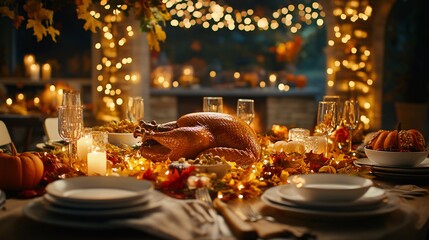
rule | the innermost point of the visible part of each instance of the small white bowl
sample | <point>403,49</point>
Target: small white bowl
<point>219,169</point>
<point>330,187</point>
<point>123,138</point>
<point>399,159</point>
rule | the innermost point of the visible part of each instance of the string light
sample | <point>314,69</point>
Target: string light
<point>352,71</point>
<point>215,16</point>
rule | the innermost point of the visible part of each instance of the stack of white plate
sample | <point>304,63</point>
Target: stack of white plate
<point>2,198</point>
<point>91,201</point>
<point>373,202</point>
<point>419,172</point>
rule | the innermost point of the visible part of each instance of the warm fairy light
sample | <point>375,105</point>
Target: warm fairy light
<point>330,83</point>
<point>236,75</point>
<point>212,74</point>
<point>52,88</point>
<point>9,101</point>
<point>213,15</point>
<point>329,71</point>
<point>36,101</point>
<point>262,84</point>
<point>369,82</point>
<point>367,105</point>
<point>20,97</point>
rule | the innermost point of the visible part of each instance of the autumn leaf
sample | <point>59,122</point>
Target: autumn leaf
<point>38,29</point>
<point>7,12</point>
<point>153,41</point>
<point>53,32</point>
<point>160,34</point>
<point>90,22</point>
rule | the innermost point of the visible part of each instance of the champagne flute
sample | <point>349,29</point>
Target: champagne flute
<point>246,110</point>
<point>213,104</point>
<point>350,120</point>
<point>337,100</point>
<point>70,128</point>
<point>135,109</point>
<point>71,97</point>
<point>326,120</point>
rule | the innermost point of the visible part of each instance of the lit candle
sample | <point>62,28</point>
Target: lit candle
<point>83,145</point>
<point>29,60</point>
<point>97,163</point>
<point>35,72</point>
<point>46,72</point>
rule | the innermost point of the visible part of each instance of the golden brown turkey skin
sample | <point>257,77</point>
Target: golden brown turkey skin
<point>199,133</point>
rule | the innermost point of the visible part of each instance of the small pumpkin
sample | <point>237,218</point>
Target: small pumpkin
<point>20,171</point>
<point>398,140</point>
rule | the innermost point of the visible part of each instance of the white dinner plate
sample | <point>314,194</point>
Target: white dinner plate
<point>273,199</point>
<point>99,189</point>
<point>370,200</point>
<point>422,168</point>
<point>37,212</point>
<point>108,205</point>
<point>154,201</point>
<point>2,198</point>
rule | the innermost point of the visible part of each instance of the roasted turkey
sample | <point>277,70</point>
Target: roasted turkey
<point>199,133</point>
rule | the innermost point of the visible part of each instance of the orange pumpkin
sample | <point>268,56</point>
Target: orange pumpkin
<point>20,171</point>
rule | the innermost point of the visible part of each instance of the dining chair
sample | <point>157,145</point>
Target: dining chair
<point>51,129</point>
<point>4,134</point>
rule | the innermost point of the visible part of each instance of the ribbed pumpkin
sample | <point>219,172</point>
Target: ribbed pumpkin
<point>398,140</point>
<point>20,171</point>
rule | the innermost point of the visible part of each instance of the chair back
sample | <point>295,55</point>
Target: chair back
<point>51,129</point>
<point>4,134</point>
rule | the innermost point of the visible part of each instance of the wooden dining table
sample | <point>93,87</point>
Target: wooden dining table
<point>409,221</point>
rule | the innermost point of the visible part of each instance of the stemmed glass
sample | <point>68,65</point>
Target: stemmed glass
<point>337,100</point>
<point>327,120</point>
<point>213,104</point>
<point>245,110</point>
<point>350,119</point>
<point>70,128</point>
<point>135,109</point>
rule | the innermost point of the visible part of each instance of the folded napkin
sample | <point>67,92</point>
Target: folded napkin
<point>175,219</point>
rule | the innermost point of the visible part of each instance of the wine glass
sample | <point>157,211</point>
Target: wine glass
<point>213,104</point>
<point>135,109</point>
<point>71,97</point>
<point>350,119</point>
<point>337,100</point>
<point>246,110</point>
<point>70,128</point>
<point>327,120</point>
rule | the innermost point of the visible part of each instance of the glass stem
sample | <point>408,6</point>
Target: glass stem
<point>72,152</point>
<point>327,145</point>
<point>350,141</point>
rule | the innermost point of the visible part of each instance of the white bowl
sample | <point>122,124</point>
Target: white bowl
<point>123,138</point>
<point>403,159</point>
<point>330,187</point>
<point>219,169</point>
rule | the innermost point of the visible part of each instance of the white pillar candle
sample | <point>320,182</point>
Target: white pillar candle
<point>83,145</point>
<point>29,60</point>
<point>35,72</point>
<point>46,72</point>
<point>97,163</point>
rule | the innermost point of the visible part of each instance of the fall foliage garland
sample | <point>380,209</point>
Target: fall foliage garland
<point>151,13</point>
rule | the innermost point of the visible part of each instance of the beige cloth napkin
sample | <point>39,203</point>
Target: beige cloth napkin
<point>175,219</point>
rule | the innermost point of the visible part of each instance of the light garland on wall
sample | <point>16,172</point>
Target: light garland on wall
<point>215,16</point>
<point>112,68</point>
<point>350,73</point>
